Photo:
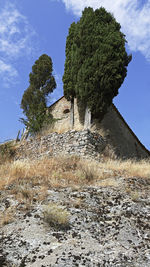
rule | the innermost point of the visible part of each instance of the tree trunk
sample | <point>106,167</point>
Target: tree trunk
<point>72,114</point>
<point>24,135</point>
<point>87,118</point>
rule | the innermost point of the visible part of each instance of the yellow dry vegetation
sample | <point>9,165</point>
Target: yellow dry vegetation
<point>29,180</point>
<point>7,216</point>
<point>64,171</point>
<point>56,215</point>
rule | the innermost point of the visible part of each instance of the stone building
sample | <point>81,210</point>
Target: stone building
<point>113,128</point>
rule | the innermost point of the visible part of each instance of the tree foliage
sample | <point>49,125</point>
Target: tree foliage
<point>96,60</point>
<point>34,100</point>
<point>69,78</point>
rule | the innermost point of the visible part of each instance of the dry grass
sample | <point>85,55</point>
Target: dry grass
<point>7,151</point>
<point>88,171</point>
<point>96,127</point>
<point>62,171</point>
<point>29,180</point>
<point>56,216</point>
<point>111,182</point>
<point>134,195</point>
<point>6,216</point>
<point>128,168</point>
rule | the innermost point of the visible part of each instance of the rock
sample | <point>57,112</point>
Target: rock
<point>85,143</point>
<point>108,229</point>
<point>2,260</point>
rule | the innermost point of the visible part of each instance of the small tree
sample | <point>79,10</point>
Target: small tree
<point>96,60</point>
<point>34,100</point>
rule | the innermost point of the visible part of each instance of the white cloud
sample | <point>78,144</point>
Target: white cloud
<point>59,90</point>
<point>133,17</point>
<point>15,40</point>
<point>58,78</point>
<point>15,32</point>
<point>7,73</point>
<point>7,68</point>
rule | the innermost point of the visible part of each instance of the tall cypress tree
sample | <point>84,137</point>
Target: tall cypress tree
<point>34,100</point>
<point>97,50</point>
<point>69,78</point>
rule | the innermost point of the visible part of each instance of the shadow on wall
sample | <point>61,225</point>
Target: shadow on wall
<point>81,109</point>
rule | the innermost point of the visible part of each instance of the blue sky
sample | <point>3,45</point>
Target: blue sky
<point>29,28</point>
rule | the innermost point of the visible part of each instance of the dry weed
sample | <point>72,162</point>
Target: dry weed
<point>25,176</point>
<point>128,168</point>
<point>29,180</point>
<point>7,151</point>
<point>56,216</point>
<point>134,195</point>
<point>96,127</point>
<point>107,182</point>
<point>87,170</point>
<point>6,216</point>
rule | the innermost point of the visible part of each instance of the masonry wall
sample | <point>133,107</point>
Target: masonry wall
<point>61,111</point>
<point>83,143</point>
<point>113,128</point>
<point>120,136</point>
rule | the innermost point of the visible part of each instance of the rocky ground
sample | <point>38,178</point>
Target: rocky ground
<point>109,226</point>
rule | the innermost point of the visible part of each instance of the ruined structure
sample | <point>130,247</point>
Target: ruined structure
<point>113,128</point>
<point>91,138</point>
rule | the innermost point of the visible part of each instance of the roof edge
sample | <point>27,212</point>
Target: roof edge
<point>123,120</point>
<point>56,101</point>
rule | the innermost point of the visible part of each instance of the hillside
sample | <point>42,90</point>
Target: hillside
<point>67,211</point>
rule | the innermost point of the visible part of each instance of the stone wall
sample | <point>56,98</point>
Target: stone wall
<point>117,134</point>
<point>120,136</point>
<point>83,143</point>
<point>113,128</point>
<point>61,111</point>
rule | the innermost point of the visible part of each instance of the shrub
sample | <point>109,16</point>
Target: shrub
<point>56,216</point>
